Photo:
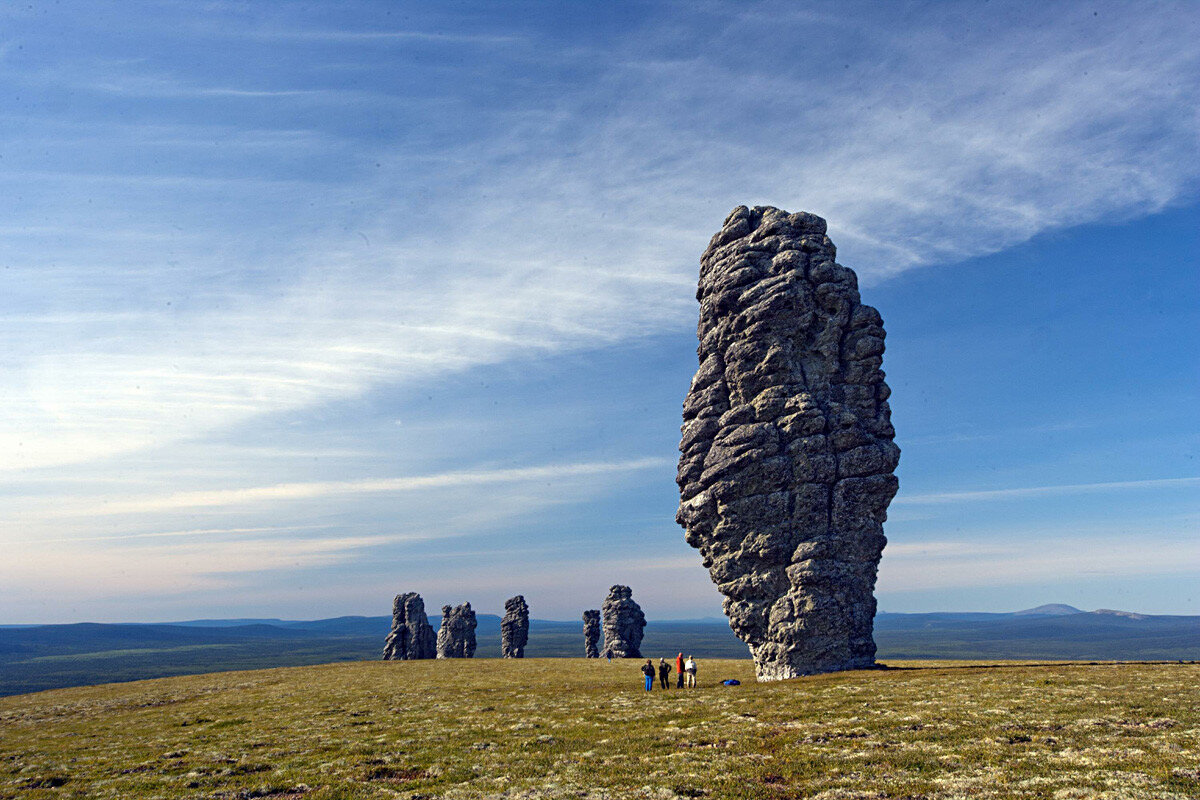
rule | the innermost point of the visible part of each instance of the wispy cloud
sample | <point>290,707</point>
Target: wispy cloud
<point>1029,557</point>
<point>92,507</point>
<point>567,228</point>
<point>1043,491</point>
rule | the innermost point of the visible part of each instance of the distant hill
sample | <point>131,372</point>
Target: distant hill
<point>1048,610</point>
<point>49,656</point>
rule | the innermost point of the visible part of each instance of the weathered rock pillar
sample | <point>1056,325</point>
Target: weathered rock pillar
<point>624,624</point>
<point>456,636</point>
<point>591,633</point>
<point>787,454</point>
<point>514,628</point>
<point>411,636</point>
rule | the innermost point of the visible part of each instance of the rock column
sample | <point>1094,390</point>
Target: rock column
<point>456,636</point>
<point>514,628</point>
<point>591,633</point>
<point>624,624</point>
<point>787,454</point>
<point>411,636</point>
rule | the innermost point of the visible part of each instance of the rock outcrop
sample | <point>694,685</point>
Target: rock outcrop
<point>411,636</point>
<point>624,624</point>
<point>514,628</point>
<point>456,636</point>
<point>591,633</point>
<point>788,458</point>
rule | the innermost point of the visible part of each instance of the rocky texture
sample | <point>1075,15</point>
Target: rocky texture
<point>514,628</point>
<point>624,624</point>
<point>786,472</point>
<point>411,636</point>
<point>591,633</point>
<point>456,637</point>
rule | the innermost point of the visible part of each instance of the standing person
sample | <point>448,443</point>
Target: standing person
<point>689,666</point>
<point>664,673</point>
<point>679,671</point>
<point>648,671</point>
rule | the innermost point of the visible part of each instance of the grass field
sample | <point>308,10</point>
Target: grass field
<point>573,728</point>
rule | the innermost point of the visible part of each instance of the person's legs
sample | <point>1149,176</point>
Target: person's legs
<point>649,683</point>
<point>679,683</point>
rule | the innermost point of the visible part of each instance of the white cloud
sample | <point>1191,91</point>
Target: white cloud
<point>1043,557</point>
<point>569,228</point>
<point>91,507</point>
<point>936,498</point>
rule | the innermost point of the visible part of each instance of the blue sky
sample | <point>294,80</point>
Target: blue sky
<point>303,305</point>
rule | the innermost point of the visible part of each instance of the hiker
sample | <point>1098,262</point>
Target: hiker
<point>648,671</point>
<point>664,673</point>
<point>679,671</point>
<point>689,667</point>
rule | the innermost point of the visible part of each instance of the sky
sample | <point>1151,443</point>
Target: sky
<point>306,304</point>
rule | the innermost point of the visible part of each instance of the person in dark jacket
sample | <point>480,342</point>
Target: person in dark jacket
<point>648,671</point>
<point>664,673</point>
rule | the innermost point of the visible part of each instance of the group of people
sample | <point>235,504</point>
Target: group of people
<point>685,670</point>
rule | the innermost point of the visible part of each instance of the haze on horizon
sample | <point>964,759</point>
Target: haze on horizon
<point>305,305</point>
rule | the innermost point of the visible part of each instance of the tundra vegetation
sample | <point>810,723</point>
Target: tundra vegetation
<point>537,728</point>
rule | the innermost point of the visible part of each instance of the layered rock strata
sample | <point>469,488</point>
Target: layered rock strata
<point>591,633</point>
<point>411,636</point>
<point>624,624</point>
<point>456,636</point>
<point>514,628</point>
<point>787,454</point>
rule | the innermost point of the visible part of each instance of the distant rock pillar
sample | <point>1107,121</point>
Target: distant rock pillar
<point>514,628</point>
<point>624,624</point>
<point>411,636</point>
<point>787,454</point>
<point>591,633</point>
<point>456,636</point>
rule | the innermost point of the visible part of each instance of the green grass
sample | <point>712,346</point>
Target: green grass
<point>574,728</point>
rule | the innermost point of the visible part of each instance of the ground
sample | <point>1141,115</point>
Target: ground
<point>551,728</point>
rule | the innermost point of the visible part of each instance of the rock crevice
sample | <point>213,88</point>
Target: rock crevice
<point>787,452</point>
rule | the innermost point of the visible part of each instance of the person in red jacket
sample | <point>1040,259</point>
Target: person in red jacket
<point>679,671</point>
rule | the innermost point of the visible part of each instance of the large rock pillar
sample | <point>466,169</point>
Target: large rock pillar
<point>787,454</point>
<point>411,636</point>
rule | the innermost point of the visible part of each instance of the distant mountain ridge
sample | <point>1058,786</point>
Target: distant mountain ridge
<point>50,656</point>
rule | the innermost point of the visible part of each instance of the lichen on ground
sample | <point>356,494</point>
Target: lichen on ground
<point>559,728</point>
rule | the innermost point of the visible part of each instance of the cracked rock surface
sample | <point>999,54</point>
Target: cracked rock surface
<point>787,457</point>
<point>624,624</point>
<point>411,636</point>
<point>456,636</point>
<point>514,628</point>
<point>591,633</point>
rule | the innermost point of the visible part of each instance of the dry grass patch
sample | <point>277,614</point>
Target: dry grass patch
<point>580,729</point>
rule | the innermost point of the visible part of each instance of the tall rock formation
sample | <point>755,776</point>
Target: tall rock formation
<point>456,636</point>
<point>623,624</point>
<point>514,628</point>
<point>411,636</point>
<point>787,455</point>
<point>591,633</point>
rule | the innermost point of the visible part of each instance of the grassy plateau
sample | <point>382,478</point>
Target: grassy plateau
<point>559,728</point>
